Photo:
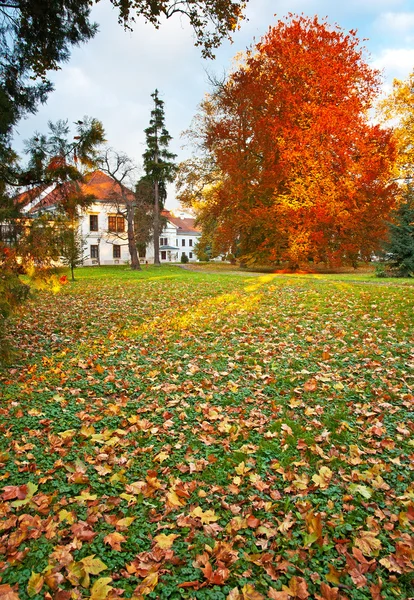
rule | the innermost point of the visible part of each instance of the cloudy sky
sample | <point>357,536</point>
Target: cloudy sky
<point>112,77</point>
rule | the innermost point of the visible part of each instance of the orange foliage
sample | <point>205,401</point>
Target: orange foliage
<point>304,172</point>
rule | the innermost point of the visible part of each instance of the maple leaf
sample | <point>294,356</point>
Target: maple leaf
<point>147,585</point>
<point>174,501</point>
<point>93,565</point>
<point>31,490</point>
<point>14,491</point>
<point>368,542</point>
<point>327,593</point>
<point>123,524</point>
<point>101,589</point>
<point>207,516</point>
<point>83,531</point>
<point>114,540</point>
<point>250,593</point>
<point>323,478</point>
<point>217,577</point>
<point>165,541</point>
<point>287,523</point>
<point>7,592</point>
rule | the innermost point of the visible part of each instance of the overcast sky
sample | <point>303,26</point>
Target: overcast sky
<point>112,77</point>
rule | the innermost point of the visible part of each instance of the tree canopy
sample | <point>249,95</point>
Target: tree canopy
<point>398,109</point>
<point>296,170</point>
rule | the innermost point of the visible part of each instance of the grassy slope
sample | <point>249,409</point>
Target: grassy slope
<point>260,426</point>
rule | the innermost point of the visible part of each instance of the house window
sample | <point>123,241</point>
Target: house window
<point>116,223</point>
<point>176,243</point>
<point>163,255</point>
<point>93,222</point>
<point>183,242</point>
<point>116,251</point>
<point>163,241</point>
<point>190,242</point>
<point>191,255</point>
<point>94,251</point>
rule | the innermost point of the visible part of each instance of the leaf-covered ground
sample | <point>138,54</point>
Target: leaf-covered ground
<point>171,434</point>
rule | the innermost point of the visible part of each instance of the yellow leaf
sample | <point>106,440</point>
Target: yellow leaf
<point>249,593</point>
<point>234,594</point>
<point>65,515</point>
<point>86,496</point>
<point>125,522</point>
<point>101,589</point>
<point>323,478</point>
<point>368,543</point>
<point>35,584</point>
<point>147,585</point>
<point>93,565</point>
<point>241,469</point>
<point>161,456</point>
<point>174,500</point>
<point>165,541</point>
<point>206,517</point>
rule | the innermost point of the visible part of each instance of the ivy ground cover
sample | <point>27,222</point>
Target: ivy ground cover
<point>170,434</point>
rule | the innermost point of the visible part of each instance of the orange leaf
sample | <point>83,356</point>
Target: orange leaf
<point>114,540</point>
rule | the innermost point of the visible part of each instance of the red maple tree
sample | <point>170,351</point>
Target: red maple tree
<point>304,173</point>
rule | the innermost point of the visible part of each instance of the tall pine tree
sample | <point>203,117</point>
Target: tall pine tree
<point>400,248</point>
<point>159,165</point>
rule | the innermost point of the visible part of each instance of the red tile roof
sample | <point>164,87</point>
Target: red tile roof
<point>96,184</point>
<point>185,225</point>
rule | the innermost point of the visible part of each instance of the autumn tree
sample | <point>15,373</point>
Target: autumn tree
<point>33,242</point>
<point>304,174</point>
<point>397,110</point>
<point>159,165</point>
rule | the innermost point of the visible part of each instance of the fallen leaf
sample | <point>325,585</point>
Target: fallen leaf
<point>114,540</point>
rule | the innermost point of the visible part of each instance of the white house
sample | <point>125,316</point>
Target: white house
<point>104,229</point>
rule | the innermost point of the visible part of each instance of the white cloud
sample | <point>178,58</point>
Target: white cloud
<point>395,62</point>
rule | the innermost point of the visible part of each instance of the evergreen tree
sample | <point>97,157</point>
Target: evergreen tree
<point>72,247</point>
<point>400,248</point>
<point>159,165</point>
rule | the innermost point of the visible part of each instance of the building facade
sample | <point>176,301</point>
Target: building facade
<point>103,225</point>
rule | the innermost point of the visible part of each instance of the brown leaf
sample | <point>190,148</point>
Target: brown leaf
<point>328,593</point>
<point>7,592</point>
<point>83,531</point>
<point>14,491</point>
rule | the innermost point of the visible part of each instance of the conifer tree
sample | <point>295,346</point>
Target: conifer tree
<point>400,248</point>
<point>159,165</point>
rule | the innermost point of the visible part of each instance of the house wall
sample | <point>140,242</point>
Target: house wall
<point>102,241</point>
<point>186,244</point>
<point>102,238</point>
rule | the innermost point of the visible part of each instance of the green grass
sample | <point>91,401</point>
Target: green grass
<point>264,424</point>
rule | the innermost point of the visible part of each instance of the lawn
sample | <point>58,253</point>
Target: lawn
<point>171,434</point>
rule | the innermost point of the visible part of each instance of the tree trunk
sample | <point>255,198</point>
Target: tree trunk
<point>132,246</point>
<point>156,225</point>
